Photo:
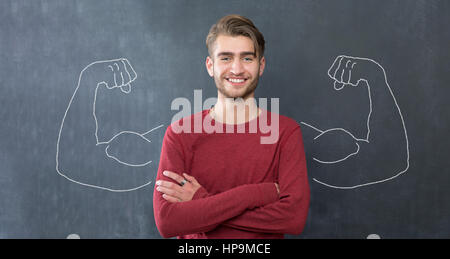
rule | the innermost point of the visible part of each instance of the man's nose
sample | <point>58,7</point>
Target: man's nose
<point>237,67</point>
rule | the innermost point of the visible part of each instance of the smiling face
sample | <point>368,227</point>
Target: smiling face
<point>235,66</point>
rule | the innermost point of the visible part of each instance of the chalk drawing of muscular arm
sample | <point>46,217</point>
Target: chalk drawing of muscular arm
<point>83,155</point>
<point>343,160</point>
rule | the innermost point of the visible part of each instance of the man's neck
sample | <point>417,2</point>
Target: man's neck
<point>235,111</point>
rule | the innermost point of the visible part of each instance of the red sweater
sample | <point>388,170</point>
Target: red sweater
<point>238,197</point>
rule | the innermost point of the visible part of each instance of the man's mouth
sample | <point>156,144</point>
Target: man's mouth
<point>236,81</point>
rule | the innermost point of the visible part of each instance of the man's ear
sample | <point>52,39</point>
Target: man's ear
<point>210,66</point>
<point>262,65</point>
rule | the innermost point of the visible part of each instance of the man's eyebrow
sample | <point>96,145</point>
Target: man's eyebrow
<point>225,53</point>
<point>245,53</point>
<point>248,53</point>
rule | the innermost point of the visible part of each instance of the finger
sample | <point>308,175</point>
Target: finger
<point>338,85</point>
<point>115,69</point>
<point>109,82</point>
<point>342,71</point>
<point>119,70</point>
<point>190,178</point>
<point>338,73</point>
<point>129,69</point>
<point>345,76</point>
<point>334,67</point>
<point>126,88</point>
<point>170,198</point>
<point>169,185</point>
<point>121,80</point>
<point>178,178</point>
<point>354,77</point>
<point>126,73</point>
<point>168,191</point>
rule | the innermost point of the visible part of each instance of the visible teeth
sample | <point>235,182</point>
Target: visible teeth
<point>236,80</point>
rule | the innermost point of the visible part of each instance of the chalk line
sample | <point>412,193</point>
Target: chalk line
<point>341,81</point>
<point>125,87</point>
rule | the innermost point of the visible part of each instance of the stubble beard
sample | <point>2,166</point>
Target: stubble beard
<point>250,89</point>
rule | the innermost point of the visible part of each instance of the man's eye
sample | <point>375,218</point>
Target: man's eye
<point>248,59</point>
<point>225,59</point>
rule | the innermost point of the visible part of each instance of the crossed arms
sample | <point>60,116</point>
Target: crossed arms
<point>256,207</point>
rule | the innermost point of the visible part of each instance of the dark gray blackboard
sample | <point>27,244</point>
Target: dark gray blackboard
<point>45,45</point>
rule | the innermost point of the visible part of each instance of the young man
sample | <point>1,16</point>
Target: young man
<point>231,185</point>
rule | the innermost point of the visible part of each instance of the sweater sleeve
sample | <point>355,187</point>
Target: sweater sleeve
<point>288,214</point>
<point>203,213</point>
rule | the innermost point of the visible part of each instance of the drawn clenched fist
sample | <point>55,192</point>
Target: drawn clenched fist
<point>116,73</point>
<point>347,70</point>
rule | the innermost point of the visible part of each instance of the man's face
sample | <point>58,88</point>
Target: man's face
<point>235,66</point>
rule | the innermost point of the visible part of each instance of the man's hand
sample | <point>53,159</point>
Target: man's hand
<point>347,70</point>
<point>183,190</point>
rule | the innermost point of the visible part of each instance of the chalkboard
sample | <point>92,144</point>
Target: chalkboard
<point>79,160</point>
